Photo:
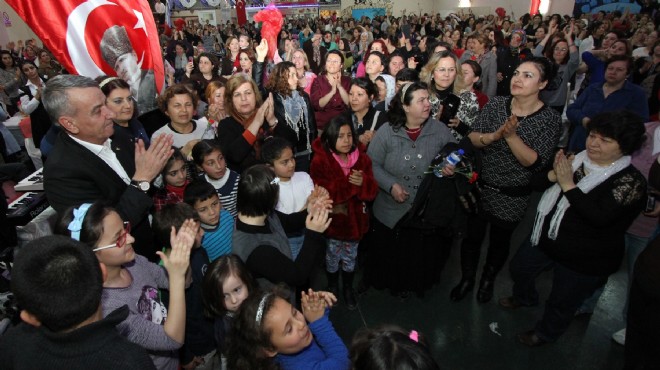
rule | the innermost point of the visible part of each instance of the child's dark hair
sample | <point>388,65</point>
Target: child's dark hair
<point>198,191</point>
<point>58,280</point>
<point>92,224</point>
<point>331,133</point>
<point>257,192</point>
<point>216,275</point>
<point>273,148</point>
<point>176,156</point>
<point>390,348</point>
<point>249,340</point>
<point>168,216</point>
<point>204,148</point>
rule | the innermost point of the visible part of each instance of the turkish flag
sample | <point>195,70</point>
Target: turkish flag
<point>241,15</point>
<point>100,37</point>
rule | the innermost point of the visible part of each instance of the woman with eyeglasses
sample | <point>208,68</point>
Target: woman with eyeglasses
<point>131,288</point>
<point>444,77</point>
<point>120,100</point>
<point>566,59</point>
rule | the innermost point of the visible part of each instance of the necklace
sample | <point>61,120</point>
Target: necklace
<point>525,116</point>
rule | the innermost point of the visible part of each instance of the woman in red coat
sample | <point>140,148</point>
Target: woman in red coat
<point>341,165</point>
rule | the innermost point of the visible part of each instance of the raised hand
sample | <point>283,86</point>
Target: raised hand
<point>262,50</point>
<point>182,242</point>
<point>150,162</point>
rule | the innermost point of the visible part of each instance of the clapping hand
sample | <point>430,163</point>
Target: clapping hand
<point>318,219</point>
<point>509,127</point>
<point>313,305</point>
<point>356,177</point>
<point>318,198</point>
<point>150,162</point>
<point>563,167</point>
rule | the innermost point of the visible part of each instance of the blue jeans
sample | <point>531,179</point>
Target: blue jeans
<point>569,289</point>
<point>295,243</point>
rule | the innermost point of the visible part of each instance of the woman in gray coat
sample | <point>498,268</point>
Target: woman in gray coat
<point>402,258</point>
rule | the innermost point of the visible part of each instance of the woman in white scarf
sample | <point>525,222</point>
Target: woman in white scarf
<point>580,223</point>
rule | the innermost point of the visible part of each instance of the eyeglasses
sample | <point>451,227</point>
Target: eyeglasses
<point>121,241</point>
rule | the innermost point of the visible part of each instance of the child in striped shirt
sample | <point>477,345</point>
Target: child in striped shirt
<point>210,160</point>
<point>217,223</point>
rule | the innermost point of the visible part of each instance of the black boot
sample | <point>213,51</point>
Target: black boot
<point>487,284</point>
<point>462,289</point>
<point>333,282</point>
<point>349,292</point>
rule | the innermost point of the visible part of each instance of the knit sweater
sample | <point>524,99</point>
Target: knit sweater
<point>94,346</point>
<point>327,351</point>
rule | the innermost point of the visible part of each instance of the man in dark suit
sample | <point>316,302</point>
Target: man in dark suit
<point>85,165</point>
<point>315,53</point>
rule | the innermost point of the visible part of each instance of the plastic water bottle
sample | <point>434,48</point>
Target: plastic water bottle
<point>452,159</point>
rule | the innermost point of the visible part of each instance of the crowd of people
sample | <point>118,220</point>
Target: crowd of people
<point>215,232</point>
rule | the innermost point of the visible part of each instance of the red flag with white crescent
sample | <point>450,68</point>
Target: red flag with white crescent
<point>241,15</point>
<point>100,37</point>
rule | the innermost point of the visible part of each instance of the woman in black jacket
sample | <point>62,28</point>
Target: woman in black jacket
<point>294,112</point>
<point>590,201</point>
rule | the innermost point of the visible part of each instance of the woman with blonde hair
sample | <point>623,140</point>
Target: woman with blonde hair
<point>303,70</point>
<point>444,77</point>
<point>215,96</point>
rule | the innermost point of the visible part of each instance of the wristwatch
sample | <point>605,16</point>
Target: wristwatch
<point>141,185</point>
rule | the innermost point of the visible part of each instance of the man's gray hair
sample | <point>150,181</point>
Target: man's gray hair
<point>55,97</point>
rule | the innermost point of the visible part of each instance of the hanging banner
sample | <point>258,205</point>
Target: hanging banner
<point>101,37</point>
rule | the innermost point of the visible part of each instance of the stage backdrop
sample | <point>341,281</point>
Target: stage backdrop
<point>369,12</point>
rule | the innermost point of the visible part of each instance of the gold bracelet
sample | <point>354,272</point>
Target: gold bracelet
<point>481,140</point>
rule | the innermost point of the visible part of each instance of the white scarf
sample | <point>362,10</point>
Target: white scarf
<point>596,176</point>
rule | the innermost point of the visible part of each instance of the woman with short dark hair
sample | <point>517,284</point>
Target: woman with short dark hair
<point>590,201</point>
<point>403,258</point>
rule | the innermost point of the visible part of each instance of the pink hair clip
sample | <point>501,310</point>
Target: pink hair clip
<point>414,336</point>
